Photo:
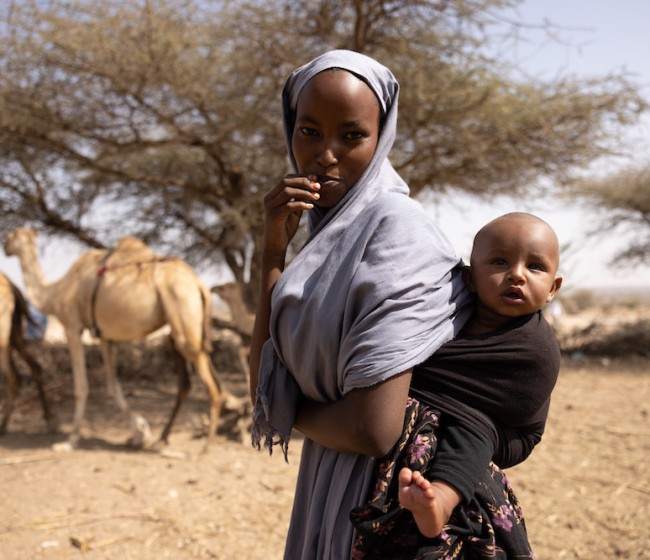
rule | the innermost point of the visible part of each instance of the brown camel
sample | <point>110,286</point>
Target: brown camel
<point>13,315</point>
<point>242,321</point>
<point>125,294</point>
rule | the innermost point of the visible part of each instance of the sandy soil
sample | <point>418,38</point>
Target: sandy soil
<point>585,490</point>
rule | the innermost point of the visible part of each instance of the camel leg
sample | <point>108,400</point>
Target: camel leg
<point>191,338</point>
<point>140,430</point>
<point>37,374</point>
<point>207,373</point>
<point>244,363</point>
<point>13,386</point>
<point>80,383</point>
<point>184,386</point>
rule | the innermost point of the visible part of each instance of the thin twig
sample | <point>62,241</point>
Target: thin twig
<point>26,459</point>
<point>85,520</point>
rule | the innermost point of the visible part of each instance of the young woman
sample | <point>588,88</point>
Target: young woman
<point>376,289</point>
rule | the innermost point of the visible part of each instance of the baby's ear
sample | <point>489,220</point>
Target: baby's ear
<point>469,279</point>
<point>557,283</point>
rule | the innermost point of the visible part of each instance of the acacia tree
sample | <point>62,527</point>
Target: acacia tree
<point>162,119</point>
<point>621,204</point>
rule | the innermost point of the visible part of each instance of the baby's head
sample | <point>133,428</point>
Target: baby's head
<point>514,265</point>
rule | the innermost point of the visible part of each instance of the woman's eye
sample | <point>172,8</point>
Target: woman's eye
<point>306,131</point>
<point>355,135</point>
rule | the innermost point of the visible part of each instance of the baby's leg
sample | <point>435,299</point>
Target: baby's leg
<point>430,503</point>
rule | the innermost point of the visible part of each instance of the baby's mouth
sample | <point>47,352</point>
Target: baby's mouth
<point>514,295</point>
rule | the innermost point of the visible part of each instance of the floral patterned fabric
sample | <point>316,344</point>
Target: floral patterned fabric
<point>490,526</point>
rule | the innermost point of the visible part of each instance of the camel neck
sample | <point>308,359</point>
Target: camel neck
<point>33,277</point>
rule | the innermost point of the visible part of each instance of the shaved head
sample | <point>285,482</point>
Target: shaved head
<point>514,224</point>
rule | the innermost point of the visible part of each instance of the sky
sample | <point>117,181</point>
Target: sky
<point>600,36</point>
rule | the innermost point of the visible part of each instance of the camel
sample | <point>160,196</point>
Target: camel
<point>242,321</point>
<point>13,314</point>
<point>125,294</point>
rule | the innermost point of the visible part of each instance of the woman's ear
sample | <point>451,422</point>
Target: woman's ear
<point>469,279</point>
<point>557,283</point>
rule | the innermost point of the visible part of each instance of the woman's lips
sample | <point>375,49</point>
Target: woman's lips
<point>327,181</point>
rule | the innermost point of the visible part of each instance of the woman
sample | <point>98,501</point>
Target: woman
<point>375,290</point>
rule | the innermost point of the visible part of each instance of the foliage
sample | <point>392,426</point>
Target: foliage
<point>162,119</point>
<point>622,200</point>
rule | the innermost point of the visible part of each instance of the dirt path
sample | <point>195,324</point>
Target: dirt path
<point>585,490</point>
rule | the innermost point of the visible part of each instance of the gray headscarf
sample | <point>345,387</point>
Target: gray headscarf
<point>374,291</point>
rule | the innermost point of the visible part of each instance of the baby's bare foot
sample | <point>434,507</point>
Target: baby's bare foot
<point>430,503</point>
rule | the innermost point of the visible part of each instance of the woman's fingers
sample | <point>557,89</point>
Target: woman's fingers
<point>285,204</point>
<point>294,192</point>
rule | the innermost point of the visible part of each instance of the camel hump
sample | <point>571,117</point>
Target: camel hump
<point>130,249</point>
<point>131,243</point>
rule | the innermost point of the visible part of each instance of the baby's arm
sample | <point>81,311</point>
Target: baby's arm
<point>516,444</point>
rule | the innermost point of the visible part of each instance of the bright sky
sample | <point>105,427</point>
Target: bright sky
<point>603,36</point>
<point>600,36</point>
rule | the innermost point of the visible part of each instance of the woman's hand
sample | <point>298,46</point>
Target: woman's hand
<point>284,206</point>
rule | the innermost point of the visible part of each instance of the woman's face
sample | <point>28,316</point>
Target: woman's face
<point>336,132</point>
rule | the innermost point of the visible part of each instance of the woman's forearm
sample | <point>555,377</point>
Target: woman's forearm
<point>284,206</point>
<point>367,421</point>
<point>272,268</point>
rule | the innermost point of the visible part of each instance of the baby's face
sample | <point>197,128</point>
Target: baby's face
<point>514,267</point>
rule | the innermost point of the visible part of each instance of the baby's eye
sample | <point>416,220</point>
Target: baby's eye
<point>499,262</point>
<point>536,266</point>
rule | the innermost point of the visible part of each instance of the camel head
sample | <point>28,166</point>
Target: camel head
<point>227,291</point>
<point>18,239</point>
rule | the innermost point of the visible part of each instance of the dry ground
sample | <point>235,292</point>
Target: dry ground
<point>585,490</point>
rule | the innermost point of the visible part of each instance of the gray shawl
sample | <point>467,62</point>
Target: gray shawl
<point>374,291</point>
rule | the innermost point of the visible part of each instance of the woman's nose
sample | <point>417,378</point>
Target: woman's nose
<point>327,156</point>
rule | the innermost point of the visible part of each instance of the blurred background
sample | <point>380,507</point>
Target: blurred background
<point>161,120</point>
